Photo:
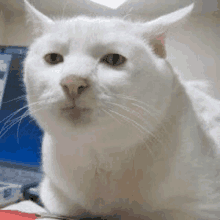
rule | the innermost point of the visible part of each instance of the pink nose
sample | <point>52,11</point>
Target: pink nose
<point>73,86</point>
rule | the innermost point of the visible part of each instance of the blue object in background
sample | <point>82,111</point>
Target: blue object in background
<point>19,144</point>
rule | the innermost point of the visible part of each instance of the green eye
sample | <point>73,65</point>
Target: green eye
<point>53,58</point>
<point>113,59</point>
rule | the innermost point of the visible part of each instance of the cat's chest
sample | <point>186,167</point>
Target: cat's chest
<point>108,187</point>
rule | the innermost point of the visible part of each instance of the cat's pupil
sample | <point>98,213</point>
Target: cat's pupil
<point>53,58</point>
<point>113,59</point>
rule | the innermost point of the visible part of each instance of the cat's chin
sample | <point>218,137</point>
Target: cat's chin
<point>75,115</point>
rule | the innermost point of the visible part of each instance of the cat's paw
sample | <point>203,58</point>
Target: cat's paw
<point>55,201</point>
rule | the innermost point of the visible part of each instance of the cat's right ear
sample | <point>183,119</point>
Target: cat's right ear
<point>155,31</point>
<point>39,22</point>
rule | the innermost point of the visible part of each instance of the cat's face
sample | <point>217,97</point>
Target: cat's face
<point>84,73</point>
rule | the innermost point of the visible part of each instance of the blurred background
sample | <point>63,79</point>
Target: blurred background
<point>193,49</point>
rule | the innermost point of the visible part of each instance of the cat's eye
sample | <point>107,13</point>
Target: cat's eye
<point>53,58</point>
<point>113,59</point>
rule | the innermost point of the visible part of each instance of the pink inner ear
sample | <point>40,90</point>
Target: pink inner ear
<point>161,38</point>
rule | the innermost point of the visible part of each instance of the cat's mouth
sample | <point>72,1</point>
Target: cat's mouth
<point>70,108</point>
<point>76,114</point>
<point>75,110</point>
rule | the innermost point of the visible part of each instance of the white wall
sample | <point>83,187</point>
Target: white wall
<point>193,49</point>
<point>155,8</point>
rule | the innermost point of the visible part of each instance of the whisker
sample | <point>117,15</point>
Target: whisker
<point>154,115</point>
<point>144,109</point>
<point>17,119</point>
<point>10,126</point>
<point>136,100</point>
<point>111,115</point>
<point>127,109</point>
<point>155,118</point>
<point>25,114</point>
<point>12,122</point>
<point>26,106</point>
<point>12,114</point>
<point>136,125</point>
<point>20,97</point>
<point>135,113</point>
<point>128,120</point>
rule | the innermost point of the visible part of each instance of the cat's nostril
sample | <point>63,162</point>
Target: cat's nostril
<point>81,89</point>
<point>74,86</point>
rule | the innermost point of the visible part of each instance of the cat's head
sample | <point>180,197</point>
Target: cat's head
<point>92,71</point>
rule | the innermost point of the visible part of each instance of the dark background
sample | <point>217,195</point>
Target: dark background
<point>17,146</point>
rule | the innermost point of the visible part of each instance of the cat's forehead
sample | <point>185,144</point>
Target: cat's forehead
<point>94,24</point>
<point>90,35</point>
<point>92,28</point>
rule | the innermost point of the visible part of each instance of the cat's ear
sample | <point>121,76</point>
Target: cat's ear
<point>155,31</point>
<point>39,21</point>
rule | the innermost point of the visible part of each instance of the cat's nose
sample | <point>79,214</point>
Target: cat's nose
<point>74,86</point>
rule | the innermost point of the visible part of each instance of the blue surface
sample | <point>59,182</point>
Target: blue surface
<point>20,140</point>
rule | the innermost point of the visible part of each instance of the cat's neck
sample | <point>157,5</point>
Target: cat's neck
<point>180,147</point>
<point>180,133</point>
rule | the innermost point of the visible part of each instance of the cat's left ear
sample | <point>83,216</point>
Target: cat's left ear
<point>155,30</point>
<point>39,21</point>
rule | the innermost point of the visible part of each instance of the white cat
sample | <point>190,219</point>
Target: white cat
<point>121,135</point>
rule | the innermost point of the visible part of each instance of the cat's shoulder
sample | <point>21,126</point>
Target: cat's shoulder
<point>206,106</point>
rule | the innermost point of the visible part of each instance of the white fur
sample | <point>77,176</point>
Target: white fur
<point>142,149</point>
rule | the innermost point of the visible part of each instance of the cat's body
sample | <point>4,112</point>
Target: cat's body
<point>132,144</point>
